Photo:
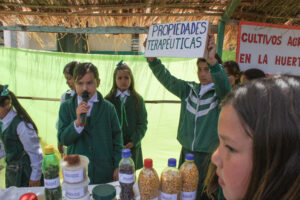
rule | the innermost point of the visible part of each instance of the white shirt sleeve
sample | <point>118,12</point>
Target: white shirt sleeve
<point>78,129</point>
<point>32,147</point>
<point>2,150</point>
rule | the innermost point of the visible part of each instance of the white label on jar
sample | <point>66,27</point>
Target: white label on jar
<point>51,183</point>
<point>155,198</point>
<point>73,176</point>
<point>126,178</point>
<point>75,193</point>
<point>165,196</point>
<point>188,195</point>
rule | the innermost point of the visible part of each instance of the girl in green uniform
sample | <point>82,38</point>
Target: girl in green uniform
<point>68,73</point>
<point>131,111</point>
<point>22,146</point>
<point>100,137</point>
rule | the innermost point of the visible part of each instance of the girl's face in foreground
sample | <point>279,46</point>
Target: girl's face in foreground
<point>233,157</point>
<point>123,80</point>
<point>70,81</point>
<point>89,83</point>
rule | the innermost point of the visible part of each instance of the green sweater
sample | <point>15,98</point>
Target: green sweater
<point>101,139</point>
<point>197,130</point>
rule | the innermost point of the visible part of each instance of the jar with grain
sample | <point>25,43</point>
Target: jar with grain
<point>148,182</point>
<point>190,177</point>
<point>126,175</point>
<point>170,182</point>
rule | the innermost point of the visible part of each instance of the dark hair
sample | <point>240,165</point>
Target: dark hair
<point>254,73</point>
<point>69,68</point>
<point>204,60</point>
<point>18,107</point>
<point>122,67</point>
<point>83,68</point>
<point>233,69</point>
<point>269,111</point>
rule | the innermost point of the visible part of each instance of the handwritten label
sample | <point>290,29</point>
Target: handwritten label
<point>165,196</point>
<point>188,195</point>
<point>73,176</point>
<point>75,193</point>
<point>126,178</point>
<point>51,183</point>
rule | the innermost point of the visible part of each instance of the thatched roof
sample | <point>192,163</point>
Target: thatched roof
<point>92,13</point>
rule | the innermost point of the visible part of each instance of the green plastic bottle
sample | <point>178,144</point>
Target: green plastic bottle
<point>50,168</point>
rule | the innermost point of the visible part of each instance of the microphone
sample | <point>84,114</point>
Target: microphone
<point>85,98</point>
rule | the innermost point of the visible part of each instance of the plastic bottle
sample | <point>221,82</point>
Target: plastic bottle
<point>126,175</point>
<point>170,182</point>
<point>190,177</point>
<point>148,182</point>
<point>50,169</point>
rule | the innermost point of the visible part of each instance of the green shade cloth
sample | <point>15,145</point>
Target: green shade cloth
<point>40,74</point>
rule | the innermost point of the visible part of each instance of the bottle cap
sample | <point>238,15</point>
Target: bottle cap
<point>189,156</point>
<point>172,162</point>
<point>104,192</point>
<point>126,153</point>
<point>148,162</point>
<point>49,149</point>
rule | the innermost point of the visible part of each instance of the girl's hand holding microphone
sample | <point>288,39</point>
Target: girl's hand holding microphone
<point>83,108</point>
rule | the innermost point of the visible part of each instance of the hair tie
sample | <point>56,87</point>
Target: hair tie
<point>120,63</point>
<point>5,91</point>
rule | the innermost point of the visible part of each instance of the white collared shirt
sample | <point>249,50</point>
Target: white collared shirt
<point>125,94</point>
<point>205,88</point>
<point>63,96</point>
<point>30,141</point>
<point>91,102</point>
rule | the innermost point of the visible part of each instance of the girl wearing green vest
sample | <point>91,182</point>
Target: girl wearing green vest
<point>131,111</point>
<point>100,137</point>
<point>68,73</point>
<point>22,146</point>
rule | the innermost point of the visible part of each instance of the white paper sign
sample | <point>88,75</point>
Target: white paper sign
<point>275,49</point>
<point>180,39</point>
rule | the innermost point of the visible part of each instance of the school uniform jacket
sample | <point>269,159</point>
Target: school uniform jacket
<point>101,139</point>
<point>197,130</point>
<point>135,130</point>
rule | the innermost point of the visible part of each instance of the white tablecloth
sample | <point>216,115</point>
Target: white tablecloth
<point>14,193</point>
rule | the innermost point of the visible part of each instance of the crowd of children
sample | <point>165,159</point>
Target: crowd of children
<point>248,146</point>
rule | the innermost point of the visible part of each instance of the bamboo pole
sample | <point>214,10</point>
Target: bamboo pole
<point>63,14</point>
<point>57,99</point>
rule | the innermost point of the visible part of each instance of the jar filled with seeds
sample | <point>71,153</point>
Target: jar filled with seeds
<point>170,182</point>
<point>50,169</point>
<point>126,175</point>
<point>148,182</point>
<point>190,177</point>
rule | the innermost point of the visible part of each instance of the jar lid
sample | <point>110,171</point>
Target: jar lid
<point>104,192</point>
<point>126,153</point>
<point>148,162</point>
<point>49,149</point>
<point>172,162</point>
<point>189,156</point>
